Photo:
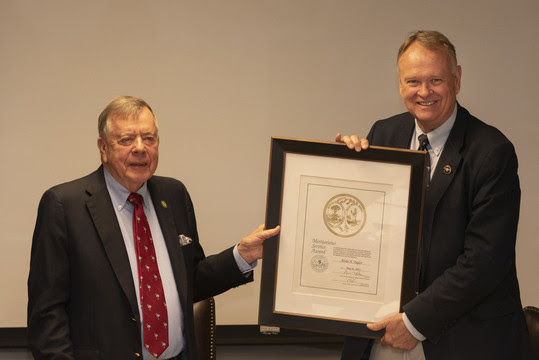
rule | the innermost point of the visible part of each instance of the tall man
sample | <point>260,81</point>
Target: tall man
<point>468,304</point>
<point>116,262</point>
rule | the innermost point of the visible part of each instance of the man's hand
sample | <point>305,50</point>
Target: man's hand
<point>397,334</point>
<point>251,246</point>
<point>353,142</point>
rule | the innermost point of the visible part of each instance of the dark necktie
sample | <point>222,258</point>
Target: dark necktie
<point>152,296</point>
<point>423,143</point>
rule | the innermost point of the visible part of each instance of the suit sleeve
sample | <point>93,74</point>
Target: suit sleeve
<point>482,281</point>
<point>214,274</point>
<point>48,283</point>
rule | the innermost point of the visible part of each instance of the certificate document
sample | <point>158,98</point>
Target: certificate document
<point>341,240</point>
<point>339,235</point>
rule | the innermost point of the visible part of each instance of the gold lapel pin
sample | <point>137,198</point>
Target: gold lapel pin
<point>447,169</point>
<point>163,204</point>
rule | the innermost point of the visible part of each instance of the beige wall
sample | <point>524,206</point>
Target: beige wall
<point>224,76</point>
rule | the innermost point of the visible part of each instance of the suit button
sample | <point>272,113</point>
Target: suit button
<point>137,354</point>
<point>133,319</point>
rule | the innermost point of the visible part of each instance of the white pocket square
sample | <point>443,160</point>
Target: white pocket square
<point>184,240</point>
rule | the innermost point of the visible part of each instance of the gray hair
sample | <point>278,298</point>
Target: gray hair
<point>122,106</point>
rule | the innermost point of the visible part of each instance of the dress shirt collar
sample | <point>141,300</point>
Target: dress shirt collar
<point>118,193</point>
<point>438,137</point>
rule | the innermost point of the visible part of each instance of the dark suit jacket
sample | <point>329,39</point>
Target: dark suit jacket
<point>82,302</point>
<point>468,304</point>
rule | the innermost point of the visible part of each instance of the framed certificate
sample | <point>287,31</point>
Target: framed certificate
<point>347,253</point>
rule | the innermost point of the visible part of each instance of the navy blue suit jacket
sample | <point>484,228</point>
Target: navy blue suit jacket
<point>468,304</point>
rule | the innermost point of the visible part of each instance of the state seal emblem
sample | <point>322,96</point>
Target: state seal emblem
<point>319,263</point>
<point>344,215</point>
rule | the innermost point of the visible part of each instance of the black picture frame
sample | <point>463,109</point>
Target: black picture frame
<point>338,156</point>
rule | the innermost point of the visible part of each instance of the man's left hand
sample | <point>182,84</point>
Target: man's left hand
<point>397,334</point>
<point>251,246</point>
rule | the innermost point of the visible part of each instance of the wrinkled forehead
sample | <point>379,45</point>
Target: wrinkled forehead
<point>142,120</point>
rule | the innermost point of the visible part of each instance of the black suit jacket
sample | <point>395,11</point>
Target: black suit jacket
<point>82,301</point>
<point>468,304</point>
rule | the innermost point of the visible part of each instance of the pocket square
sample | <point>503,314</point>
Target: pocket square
<point>184,240</point>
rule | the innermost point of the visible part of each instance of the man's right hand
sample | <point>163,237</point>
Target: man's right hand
<point>353,142</point>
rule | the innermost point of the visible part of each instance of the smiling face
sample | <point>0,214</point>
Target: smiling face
<point>428,83</point>
<point>130,148</point>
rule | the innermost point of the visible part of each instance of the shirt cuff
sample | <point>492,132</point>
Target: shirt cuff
<point>412,329</point>
<point>242,264</point>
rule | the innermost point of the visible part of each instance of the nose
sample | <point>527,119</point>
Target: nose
<point>424,90</point>
<point>138,144</point>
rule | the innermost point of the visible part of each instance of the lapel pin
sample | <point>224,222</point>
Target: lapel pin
<point>184,240</point>
<point>163,204</point>
<point>447,169</point>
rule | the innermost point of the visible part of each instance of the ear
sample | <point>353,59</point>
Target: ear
<point>399,81</point>
<point>102,146</point>
<point>401,88</point>
<point>458,75</point>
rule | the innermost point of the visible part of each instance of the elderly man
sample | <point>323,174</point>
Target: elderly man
<point>468,304</point>
<point>116,262</point>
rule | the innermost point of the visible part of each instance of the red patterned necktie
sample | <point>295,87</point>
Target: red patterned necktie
<point>152,296</point>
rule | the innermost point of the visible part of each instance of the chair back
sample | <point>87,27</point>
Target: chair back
<point>204,312</point>
<point>532,320</point>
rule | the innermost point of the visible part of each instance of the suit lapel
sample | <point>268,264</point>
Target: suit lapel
<point>163,207</point>
<point>446,169</point>
<point>102,212</point>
